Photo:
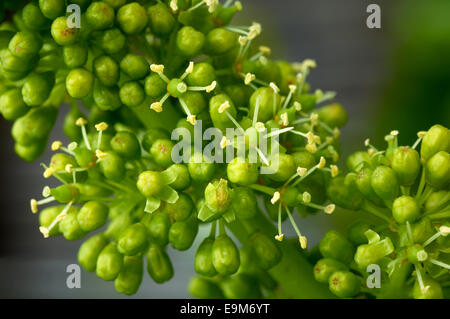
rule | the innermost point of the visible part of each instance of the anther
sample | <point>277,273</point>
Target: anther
<point>303,242</point>
<point>44,230</point>
<point>157,68</point>
<point>223,142</point>
<point>211,87</point>
<point>329,209</point>
<point>34,206</point>
<point>322,162</point>
<point>56,145</point>
<point>100,154</point>
<point>192,119</point>
<point>301,171</point>
<point>284,119</point>
<point>72,146</point>
<point>46,192</point>
<point>279,237</point>
<point>224,106</point>
<point>275,198</point>
<point>306,197</point>
<point>264,50</point>
<point>249,77</point>
<point>274,87</point>
<point>174,5</point>
<point>68,168</point>
<point>334,170</point>
<point>156,106</point>
<point>102,126</point>
<point>80,121</point>
<point>49,172</point>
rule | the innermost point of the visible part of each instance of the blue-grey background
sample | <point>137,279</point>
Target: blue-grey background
<point>353,60</point>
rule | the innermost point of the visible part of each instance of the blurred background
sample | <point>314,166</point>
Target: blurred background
<point>396,77</point>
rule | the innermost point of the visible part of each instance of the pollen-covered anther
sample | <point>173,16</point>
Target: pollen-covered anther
<point>34,206</point>
<point>311,147</point>
<point>190,68</point>
<point>310,137</point>
<point>223,142</point>
<point>292,88</point>
<point>60,217</point>
<point>46,192</point>
<point>242,39</point>
<point>301,171</point>
<point>157,68</point>
<point>192,119</point>
<point>274,87</point>
<point>174,5</point>
<point>314,118</point>
<point>100,154</point>
<point>297,106</point>
<point>279,237</point>
<point>303,242</point>
<point>275,198</point>
<point>421,134</point>
<point>367,142</point>
<point>211,87</point>
<point>299,78</point>
<point>329,209</point>
<point>322,162</point>
<point>249,77</point>
<point>102,126</point>
<point>49,172</point>
<point>444,230</point>
<point>81,121</point>
<point>225,105</point>
<point>44,231</point>
<point>260,127</point>
<point>68,168</point>
<point>211,4</point>
<point>156,106</point>
<point>56,145</point>
<point>306,197</point>
<point>254,30</point>
<point>334,170</point>
<point>284,119</point>
<point>394,133</point>
<point>336,132</point>
<point>309,64</point>
<point>265,50</point>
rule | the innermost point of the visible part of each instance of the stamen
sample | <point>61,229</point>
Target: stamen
<point>100,154</point>
<point>312,148</point>
<point>278,132</point>
<point>34,206</point>
<point>56,145</point>
<point>301,171</point>
<point>264,50</point>
<point>280,235</point>
<point>44,230</point>
<point>249,77</point>
<point>224,106</point>
<point>303,242</point>
<point>322,162</point>
<point>82,123</point>
<point>49,172</point>
<point>275,198</point>
<point>302,239</point>
<point>68,168</point>
<point>211,87</point>
<point>334,170</point>
<point>191,119</point>
<point>297,106</point>
<point>284,119</point>
<point>173,5</point>
<point>329,209</point>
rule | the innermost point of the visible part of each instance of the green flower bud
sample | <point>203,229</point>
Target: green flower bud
<point>52,9</point>
<point>307,101</point>
<point>48,215</point>
<point>203,288</point>
<point>354,160</point>
<point>106,70</point>
<point>34,126</point>
<point>114,3</point>
<point>363,182</point>
<point>432,289</point>
<point>384,182</point>
<point>79,83</point>
<point>160,19</point>
<point>421,231</point>
<point>181,209</point>
<point>239,94</point>
<point>286,168</point>
<point>218,196</point>
<point>200,168</point>
<point>90,250</point>
<point>32,17</point>
<point>194,101</point>
<point>36,88</point>
<point>88,189</point>
<point>405,209</point>
<point>70,227</point>
<point>61,33</point>
<point>75,55</point>
<point>100,16</point>
<point>436,139</point>
<point>219,41</point>
<point>132,18</point>
<point>155,87</point>
<point>132,94</point>
<point>84,157</point>
<point>437,170</point>
<point>182,233</point>
<point>126,145</point>
<point>266,99</point>
<point>266,251</point>
<point>264,69</point>
<point>240,286</point>
<point>12,105</point>
<point>334,115</point>
<point>14,68</point>
<point>109,262</point>
<point>242,172</point>
<point>112,166</point>
<point>203,74</point>
<point>161,152</point>
<point>31,152</point>
<point>203,258</point>
<point>25,45</point>
<point>334,245</point>
<point>65,193</point>
<point>92,215</point>
<point>325,267</point>
<point>304,159</point>
<point>190,41</point>
<point>133,240</point>
<point>130,277</point>
<point>344,284</point>
<point>372,253</point>
<point>159,266</point>
<point>291,196</point>
<point>436,200</point>
<point>59,161</point>
<point>416,254</point>
<point>244,203</point>
<point>158,228</point>
<point>111,41</point>
<point>150,183</point>
<point>406,164</point>
<point>151,135</point>
<point>225,255</point>
<point>183,179</point>
<point>106,98</point>
<point>135,66</point>
<point>355,233</point>
<point>176,87</point>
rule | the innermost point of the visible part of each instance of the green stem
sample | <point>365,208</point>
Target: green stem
<point>294,273</point>
<point>396,287</point>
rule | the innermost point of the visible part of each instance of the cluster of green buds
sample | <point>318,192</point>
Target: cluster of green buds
<point>407,191</point>
<point>132,72</point>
